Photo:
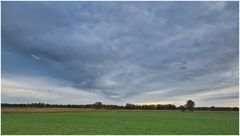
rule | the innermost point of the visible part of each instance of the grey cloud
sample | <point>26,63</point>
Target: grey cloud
<point>123,49</point>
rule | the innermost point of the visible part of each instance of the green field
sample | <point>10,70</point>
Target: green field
<point>122,122</point>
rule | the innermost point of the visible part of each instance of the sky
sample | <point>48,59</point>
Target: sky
<point>120,52</point>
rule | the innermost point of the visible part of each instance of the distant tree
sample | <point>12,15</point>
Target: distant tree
<point>235,109</point>
<point>146,107</point>
<point>171,107</point>
<point>212,108</point>
<point>190,105</point>
<point>130,106</point>
<point>159,107</point>
<point>97,105</point>
<point>182,108</point>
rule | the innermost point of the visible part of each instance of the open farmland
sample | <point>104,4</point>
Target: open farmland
<point>37,110</point>
<point>120,122</point>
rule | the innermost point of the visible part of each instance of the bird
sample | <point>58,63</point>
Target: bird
<point>184,65</point>
<point>35,57</point>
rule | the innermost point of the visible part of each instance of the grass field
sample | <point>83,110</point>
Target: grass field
<point>120,122</point>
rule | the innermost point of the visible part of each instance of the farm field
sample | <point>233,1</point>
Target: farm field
<point>120,122</point>
<point>37,110</point>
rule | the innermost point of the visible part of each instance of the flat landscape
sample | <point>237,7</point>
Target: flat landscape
<point>120,68</point>
<point>120,122</point>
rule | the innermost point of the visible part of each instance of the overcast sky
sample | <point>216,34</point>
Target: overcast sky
<point>119,52</point>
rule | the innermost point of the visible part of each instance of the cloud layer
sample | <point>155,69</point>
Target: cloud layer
<point>118,52</point>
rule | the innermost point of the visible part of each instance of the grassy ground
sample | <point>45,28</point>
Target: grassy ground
<point>124,122</point>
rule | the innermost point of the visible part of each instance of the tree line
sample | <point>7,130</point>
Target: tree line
<point>189,106</point>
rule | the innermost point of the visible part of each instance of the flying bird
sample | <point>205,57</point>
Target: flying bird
<point>184,65</point>
<point>35,57</point>
<point>184,68</point>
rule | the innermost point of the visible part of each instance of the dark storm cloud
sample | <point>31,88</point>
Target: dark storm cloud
<point>123,49</point>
